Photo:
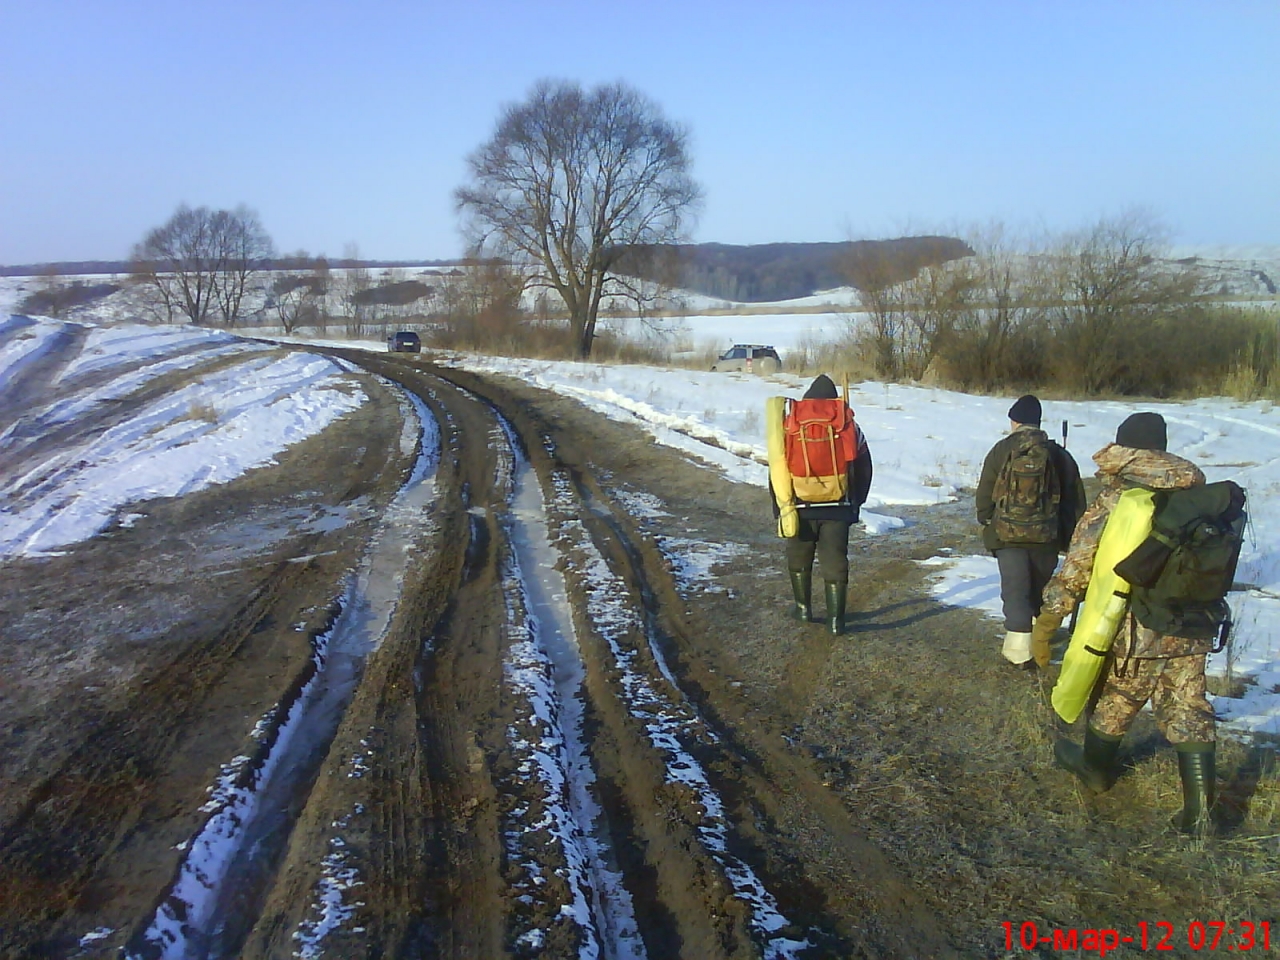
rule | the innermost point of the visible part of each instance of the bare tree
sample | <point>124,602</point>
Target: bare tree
<point>52,291</point>
<point>995,334</point>
<point>877,277</point>
<point>1113,294</point>
<point>200,260</point>
<point>173,262</point>
<point>569,181</point>
<point>240,248</point>
<point>929,303</point>
<point>320,285</point>
<point>353,285</point>
<point>295,296</point>
<point>481,307</point>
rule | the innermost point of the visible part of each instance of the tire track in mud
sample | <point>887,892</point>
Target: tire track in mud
<point>87,842</point>
<point>81,815</point>
<point>229,863</point>
<point>635,702</point>
<point>30,377</point>
<point>783,828</point>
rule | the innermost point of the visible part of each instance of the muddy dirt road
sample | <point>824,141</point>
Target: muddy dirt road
<point>432,686</point>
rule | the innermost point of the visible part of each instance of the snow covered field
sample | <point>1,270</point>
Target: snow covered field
<point>927,445</point>
<point>209,432</point>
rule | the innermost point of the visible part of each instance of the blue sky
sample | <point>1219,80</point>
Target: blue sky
<point>349,123</point>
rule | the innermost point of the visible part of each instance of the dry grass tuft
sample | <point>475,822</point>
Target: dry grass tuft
<point>201,411</point>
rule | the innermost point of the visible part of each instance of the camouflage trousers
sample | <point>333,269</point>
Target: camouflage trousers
<point>1175,687</point>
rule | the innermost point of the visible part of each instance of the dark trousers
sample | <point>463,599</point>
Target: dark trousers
<point>1024,572</point>
<point>829,539</point>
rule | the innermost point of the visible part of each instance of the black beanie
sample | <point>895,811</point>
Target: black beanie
<point>1025,410</point>
<point>1143,431</point>
<point>822,388</point>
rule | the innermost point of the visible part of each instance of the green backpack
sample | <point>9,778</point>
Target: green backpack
<point>1027,492</point>
<point>1182,572</point>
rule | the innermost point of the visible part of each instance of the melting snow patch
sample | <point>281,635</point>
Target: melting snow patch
<point>359,764</point>
<point>972,582</point>
<point>643,506</point>
<point>203,434</point>
<point>544,668</point>
<point>1253,656</point>
<point>329,908</point>
<point>95,936</point>
<point>878,523</point>
<point>533,940</point>
<point>694,561</point>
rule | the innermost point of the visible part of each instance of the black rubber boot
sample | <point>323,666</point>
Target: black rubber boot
<point>1197,768</point>
<point>802,589</point>
<point>836,592</point>
<point>1094,762</point>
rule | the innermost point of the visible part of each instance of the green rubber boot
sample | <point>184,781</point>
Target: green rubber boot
<point>1093,763</point>
<point>836,592</point>
<point>802,589</point>
<point>1197,768</point>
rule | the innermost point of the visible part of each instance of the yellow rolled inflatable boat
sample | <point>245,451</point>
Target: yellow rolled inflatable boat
<point>1105,602</point>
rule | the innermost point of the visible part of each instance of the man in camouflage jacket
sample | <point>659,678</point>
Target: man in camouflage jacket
<point>1143,665</point>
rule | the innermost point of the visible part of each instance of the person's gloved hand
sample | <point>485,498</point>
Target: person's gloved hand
<point>1042,632</point>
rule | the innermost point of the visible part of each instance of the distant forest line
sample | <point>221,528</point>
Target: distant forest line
<point>756,273</point>
<point>760,273</point>
<point>74,268</point>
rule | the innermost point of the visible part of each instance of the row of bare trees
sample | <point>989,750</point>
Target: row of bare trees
<point>211,267</point>
<point>1098,311</point>
<point>199,264</point>
<point>572,183</point>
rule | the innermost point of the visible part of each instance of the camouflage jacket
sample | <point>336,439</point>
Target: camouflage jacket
<point>1120,468</point>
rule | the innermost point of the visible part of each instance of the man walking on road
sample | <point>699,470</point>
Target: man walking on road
<point>1028,501</point>
<point>1144,663</point>
<point>824,526</point>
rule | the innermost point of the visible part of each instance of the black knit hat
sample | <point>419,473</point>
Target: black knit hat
<point>1026,409</point>
<point>1143,431</point>
<point>822,388</point>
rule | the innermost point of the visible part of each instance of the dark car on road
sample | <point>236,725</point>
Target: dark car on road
<point>748,358</point>
<point>405,341</point>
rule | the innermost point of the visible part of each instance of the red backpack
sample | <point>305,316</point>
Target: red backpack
<point>821,441</point>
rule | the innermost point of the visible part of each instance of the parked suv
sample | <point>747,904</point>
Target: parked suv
<point>748,358</point>
<point>405,341</point>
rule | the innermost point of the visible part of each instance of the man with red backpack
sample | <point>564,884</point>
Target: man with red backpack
<point>1028,500</point>
<point>830,474</point>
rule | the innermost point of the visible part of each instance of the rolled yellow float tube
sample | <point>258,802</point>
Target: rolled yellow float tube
<point>1105,602</point>
<point>775,409</point>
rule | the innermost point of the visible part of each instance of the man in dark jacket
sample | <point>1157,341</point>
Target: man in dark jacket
<point>824,530</point>
<point>1026,560</point>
